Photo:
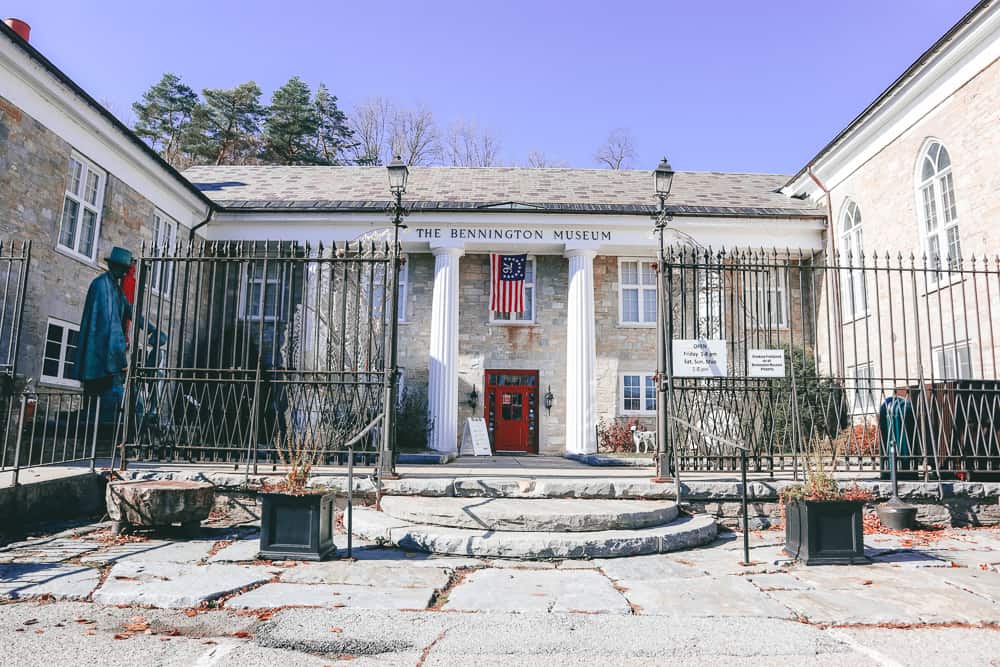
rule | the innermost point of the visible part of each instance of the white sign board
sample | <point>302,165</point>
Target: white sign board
<point>766,363</point>
<point>700,358</point>
<point>475,438</point>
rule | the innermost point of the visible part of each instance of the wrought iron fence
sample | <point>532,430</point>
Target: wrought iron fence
<point>15,256</point>
<point>873,350</point>
<point>241,347</point>
<point>54,427</point>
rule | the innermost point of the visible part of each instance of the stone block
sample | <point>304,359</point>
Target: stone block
<point>176,585</point>
<point>27,580</point>
<point>537,591</point>
<point>332,596</point>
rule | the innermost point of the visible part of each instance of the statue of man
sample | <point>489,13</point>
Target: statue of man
<point>102,349</point>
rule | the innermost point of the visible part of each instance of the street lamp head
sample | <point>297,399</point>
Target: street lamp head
<point>663,178</point>
<point>397,175</point>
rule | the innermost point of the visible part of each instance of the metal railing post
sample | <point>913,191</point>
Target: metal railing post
<point>20,433</point>
<point>386,459</point>
<point>93,438</point>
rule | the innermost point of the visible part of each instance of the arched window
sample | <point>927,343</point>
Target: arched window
<point>936,197</point>
<point>854,294</point>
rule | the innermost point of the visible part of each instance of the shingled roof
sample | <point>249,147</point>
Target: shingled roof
<point>352,189</point>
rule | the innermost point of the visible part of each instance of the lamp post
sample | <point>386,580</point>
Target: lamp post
<point>663,178</point>
<point>398,174</point>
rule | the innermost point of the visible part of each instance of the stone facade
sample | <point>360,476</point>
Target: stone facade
<point>34,163</point>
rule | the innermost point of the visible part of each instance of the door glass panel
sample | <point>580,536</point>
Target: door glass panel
<point>511,407</point>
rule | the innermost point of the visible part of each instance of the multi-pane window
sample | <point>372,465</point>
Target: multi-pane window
<point>638,393</point>
<point>164,242</point>
<point>528,314</point>
<point>637,291</point>
<point>953,362</point>
<point>765,294</point>
<point>59,359</point>
<point>378,295</point>
<point>864,388</point>
<point>79,226</point>
<point>263,295</point>
<point>854,295</point>
<point>936,193</point>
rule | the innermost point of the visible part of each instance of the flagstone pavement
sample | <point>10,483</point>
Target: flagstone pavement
<point>946,579</point>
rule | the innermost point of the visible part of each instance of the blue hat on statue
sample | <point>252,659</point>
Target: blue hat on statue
<point>120,256</point>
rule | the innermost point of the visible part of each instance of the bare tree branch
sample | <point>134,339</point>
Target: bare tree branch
<point>540,160</point>
<point>471,146</point>
<point>415,136</point>
<point>371,123</point>
<point>618,151</point>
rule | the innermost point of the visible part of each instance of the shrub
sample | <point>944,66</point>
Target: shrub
<point>615,435</point>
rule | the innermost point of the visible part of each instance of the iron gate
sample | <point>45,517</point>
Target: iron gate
<point>237,346</point>
<point>875,349</point>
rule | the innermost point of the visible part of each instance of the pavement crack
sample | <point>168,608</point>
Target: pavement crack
<point>427,649</point>
<point>440,597</point>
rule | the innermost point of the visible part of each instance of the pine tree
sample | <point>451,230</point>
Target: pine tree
<point>164,114</point>
<point>333,136</point>
<point>291,126</point>
<point>225,129</point>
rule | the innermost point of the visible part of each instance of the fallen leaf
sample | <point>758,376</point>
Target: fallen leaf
<point>242,634</point>
<point>190,612</point>
<point>39,632</point>
<point>31,621</point>
<point>209,642</point>
<point>164,639</point>
<point>122,635</point>
<point>867,582</point>
<point>337,630</point>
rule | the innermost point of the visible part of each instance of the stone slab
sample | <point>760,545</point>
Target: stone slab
<point>777,581</point>
<point>29,580</point>
<point>332,596</point>
<point>515,590</point>
<point>176,585</point>
<point>983,583</point>
<point>702,596</point>
<point>367,573</point>
<point>683,533</point>
<point>153,551</point>
<point>543,514</point>
<point>649,568</point>
<point>240,550</point>
<point>47,550</point>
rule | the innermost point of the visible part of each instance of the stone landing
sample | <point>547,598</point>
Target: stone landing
<point>533,528</point>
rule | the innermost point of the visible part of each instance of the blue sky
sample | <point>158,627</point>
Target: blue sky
<point>722,86</point>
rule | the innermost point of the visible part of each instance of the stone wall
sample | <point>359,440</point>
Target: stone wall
<point>34,166</point>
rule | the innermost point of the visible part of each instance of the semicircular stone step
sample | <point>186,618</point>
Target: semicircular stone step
<point>682,533</point>
<point>541,514</point>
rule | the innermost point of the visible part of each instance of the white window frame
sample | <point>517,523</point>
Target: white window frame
<point>760,282</point>
<point>378,296</point>
<point>164,236</point>
<point>949,352</point>
<point>63,350</point>
<point>76,185</point>
<point>645,291</point>
<point>863,374</point>
<point>853,288</point>
<point>934,203</point>
<point>646,382</point>
<point>282,281</point>
<point>512,318</point>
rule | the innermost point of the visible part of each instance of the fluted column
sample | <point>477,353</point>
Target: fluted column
<point>581,356</point>
<point>442,390</point>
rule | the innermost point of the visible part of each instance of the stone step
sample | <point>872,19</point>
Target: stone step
<point>682,533</point>
<point>519,514</point>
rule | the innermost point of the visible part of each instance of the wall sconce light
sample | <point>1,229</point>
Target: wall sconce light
<point>548,400</point>
<point>473,398</point>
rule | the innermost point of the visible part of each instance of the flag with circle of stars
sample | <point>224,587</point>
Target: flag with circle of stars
<point>507,277</point>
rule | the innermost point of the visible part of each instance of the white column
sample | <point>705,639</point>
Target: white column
<point>581,357</point>
<point>442,390</point>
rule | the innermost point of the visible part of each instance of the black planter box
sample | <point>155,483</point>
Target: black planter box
<point>297,527</point>
<point>825,532</point>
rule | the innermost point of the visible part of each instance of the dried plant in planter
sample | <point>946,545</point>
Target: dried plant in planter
<point>300,452</point>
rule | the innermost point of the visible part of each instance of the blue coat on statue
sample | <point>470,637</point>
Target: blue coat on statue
<point>101,351</point>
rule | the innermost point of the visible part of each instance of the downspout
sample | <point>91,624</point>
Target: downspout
<point>211,213</point>
<point>837,310</point>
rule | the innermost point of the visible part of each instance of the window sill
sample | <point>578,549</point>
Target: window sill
<point>55,383</point>
<point>636,325</point>
<point>944,283</point>
<point>852,318</point>
<point>502,323</point>
<point>83,259</point>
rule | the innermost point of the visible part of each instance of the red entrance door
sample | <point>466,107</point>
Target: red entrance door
<point>511,410</point>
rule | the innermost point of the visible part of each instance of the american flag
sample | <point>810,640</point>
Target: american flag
<point>507,277</point>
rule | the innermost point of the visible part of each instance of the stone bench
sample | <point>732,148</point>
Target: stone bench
<point>159,503</point>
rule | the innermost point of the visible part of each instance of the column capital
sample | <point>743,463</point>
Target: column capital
<point>581,251</point>
<point>451,250</point>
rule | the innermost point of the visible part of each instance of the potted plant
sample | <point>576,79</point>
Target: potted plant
<point>297,523</point>
<point>824,523</point>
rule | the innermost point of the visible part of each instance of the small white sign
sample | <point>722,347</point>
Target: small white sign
<point>475,438</point>
<point>766,363</point>
<point>700,358</point>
